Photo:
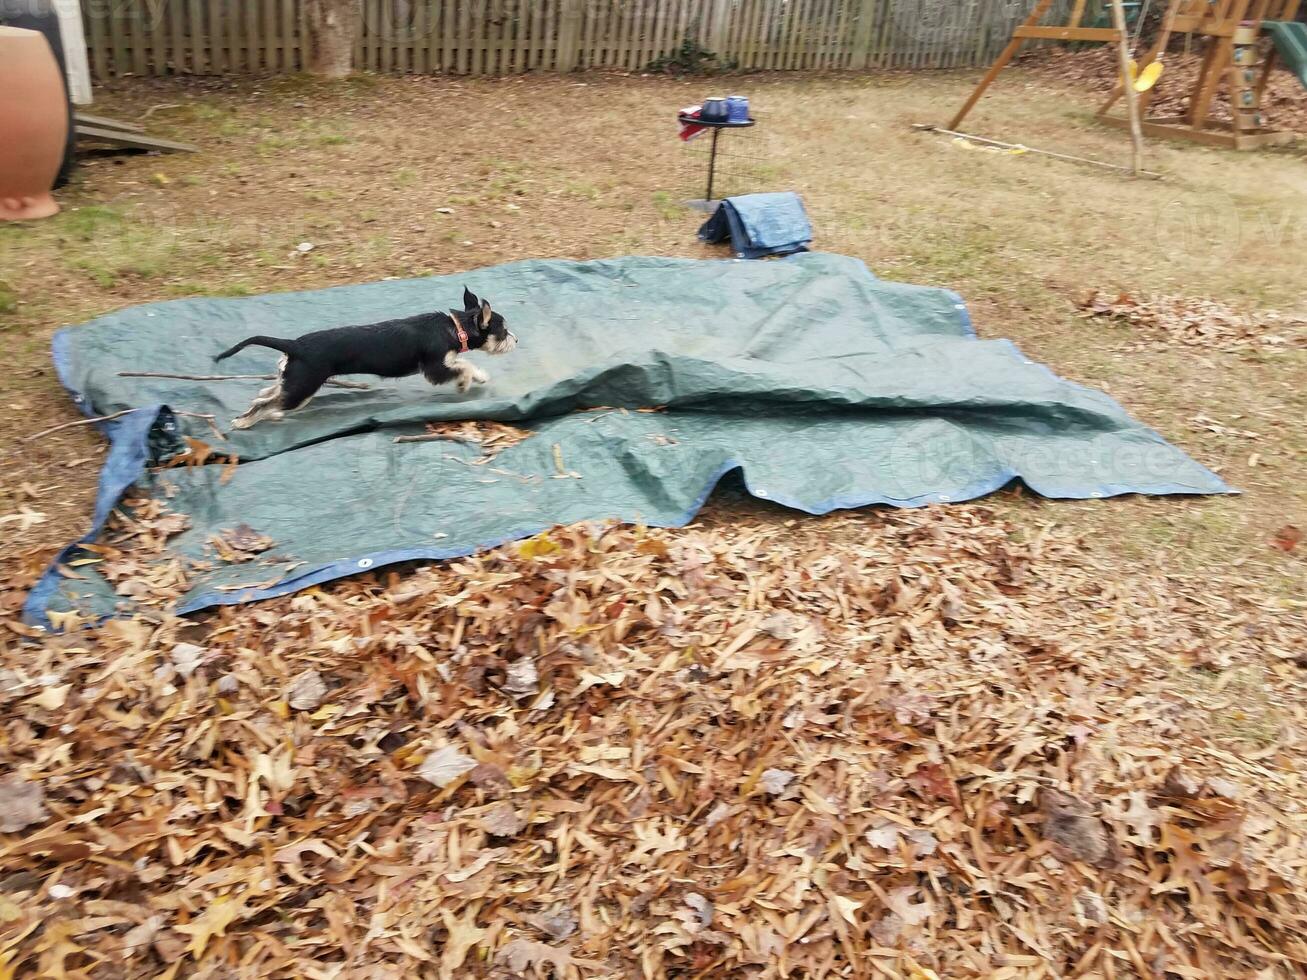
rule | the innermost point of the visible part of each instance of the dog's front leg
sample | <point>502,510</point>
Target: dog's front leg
<point>468,374</point>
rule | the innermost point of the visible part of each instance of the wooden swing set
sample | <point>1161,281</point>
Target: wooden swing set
<point>1230,31</point>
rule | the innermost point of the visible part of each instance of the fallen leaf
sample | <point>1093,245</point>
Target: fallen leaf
<point>1287,538</point>
<point>559,922</point>
<point>716,815</point>
<point>523,678</point>
<point>887,836</point>
<point>521,954</point>
<point>901,904</point>
<point>463,934</point>
<point>1139,817</point>
<point>138,939</point>
<point>501,820</point>
<point>293,853</point>
<point>25,518</point>
<point>22,803</point>
<point>541,546</point>
<point>613,678</point>
<point>483,861</point>
<point>775,781</point>
<point>187,657</point>
<point>1181,785</point>
<point>702,906</point>
<point>443,766</point>
<point>212,922</point>
<point>846,907</point>
<point>52,698</point>
<point>933,782</point>
<point>307,691</point>
<point>1071,823</point>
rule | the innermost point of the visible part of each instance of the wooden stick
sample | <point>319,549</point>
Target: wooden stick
<point>925,127</point>
<point>116,415</point>
<point>438,437</point>
<point>359,385</point>
<point>69,425</point>
<point>1131,96</point>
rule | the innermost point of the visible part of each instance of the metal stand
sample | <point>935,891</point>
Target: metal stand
<point>716,128</point>
<point>712,163</point>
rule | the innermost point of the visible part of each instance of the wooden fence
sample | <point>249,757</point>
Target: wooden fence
<point>488,37</point>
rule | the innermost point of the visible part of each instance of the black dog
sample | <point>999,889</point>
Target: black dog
<point>429,343</point>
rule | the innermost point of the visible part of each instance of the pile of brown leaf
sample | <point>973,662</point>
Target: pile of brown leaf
<point>491,437</point>
<point>1194,322</point>
<point>1095,70</point>
<point>898,744</point>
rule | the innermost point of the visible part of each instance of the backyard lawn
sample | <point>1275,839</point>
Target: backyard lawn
<point>391,177</point>
<point>1137,634</point>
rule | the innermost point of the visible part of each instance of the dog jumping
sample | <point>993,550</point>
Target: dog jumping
<point>428,343</point>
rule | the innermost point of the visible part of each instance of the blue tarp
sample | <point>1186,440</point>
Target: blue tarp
<point>759,225</point>
<point>823,386</point>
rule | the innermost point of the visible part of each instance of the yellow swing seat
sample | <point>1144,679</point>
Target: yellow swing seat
<point>1142,82</point>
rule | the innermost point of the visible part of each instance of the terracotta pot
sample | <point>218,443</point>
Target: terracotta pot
<point>34,121</point>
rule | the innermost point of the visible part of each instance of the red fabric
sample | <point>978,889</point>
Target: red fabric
<point>688,130</point>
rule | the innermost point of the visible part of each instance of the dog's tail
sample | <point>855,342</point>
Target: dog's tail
<point>276,343</point>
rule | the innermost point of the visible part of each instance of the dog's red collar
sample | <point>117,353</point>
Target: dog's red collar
<point>462,334</point>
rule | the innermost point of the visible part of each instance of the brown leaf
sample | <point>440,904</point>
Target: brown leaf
<point>558,923</point>
<point>1180,785</point>
<point>523,678</point>
<point>501,820</point>
<point>1287,538</point>
<point>22,804</point>
<point>521,954</point>
<point>933,782</point>
<point>444,765</point>
<point>244,538</point>
<point>307,692</point>
<point>137,940</point>
<point>776,781</point>
<point>462,934</point>
<point>1071,823</point>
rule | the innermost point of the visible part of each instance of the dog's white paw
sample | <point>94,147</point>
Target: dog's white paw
<point>242,422</point>
<point>470,376</point>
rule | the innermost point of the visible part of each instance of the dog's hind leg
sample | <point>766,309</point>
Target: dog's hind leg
<point>272,389</point>
<point>260,407</point>
<point>264,406</point>
<point>299,384</point>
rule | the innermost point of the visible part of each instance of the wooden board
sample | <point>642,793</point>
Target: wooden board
<point>135,141</point>
<point>1180,130</point>
<point>105,122</point>
<point>1097,34</point>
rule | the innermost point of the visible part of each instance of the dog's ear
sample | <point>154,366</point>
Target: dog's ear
<point>470,301</point>
<point>485,313</point>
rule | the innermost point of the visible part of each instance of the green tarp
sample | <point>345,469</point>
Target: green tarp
<point>824,386</point>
